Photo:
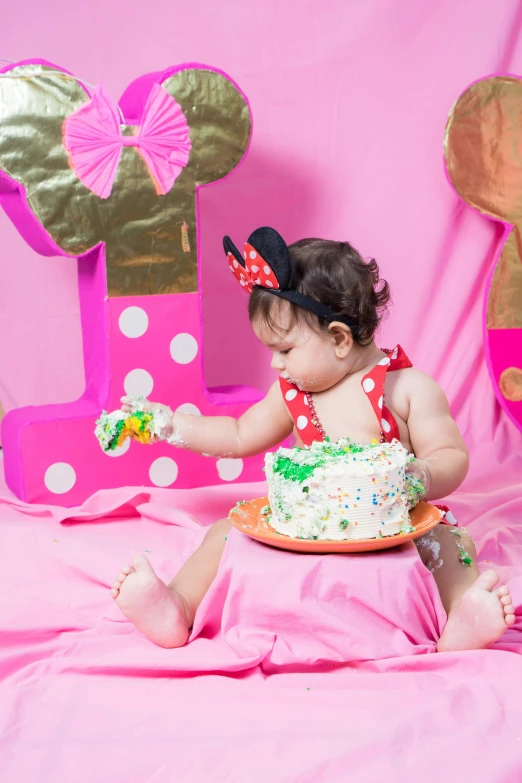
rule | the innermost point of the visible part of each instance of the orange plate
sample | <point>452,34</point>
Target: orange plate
<point>248,519</point>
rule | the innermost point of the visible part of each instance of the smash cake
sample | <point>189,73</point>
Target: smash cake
<point>340,491</point>
<point>143,425</point>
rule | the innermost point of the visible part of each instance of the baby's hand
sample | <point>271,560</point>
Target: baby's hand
<point>163,415</point>
<point>419,469</point>
<point>128,404</point>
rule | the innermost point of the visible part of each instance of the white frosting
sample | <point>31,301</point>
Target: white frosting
<point>106,425</point>
<point>346,495</point>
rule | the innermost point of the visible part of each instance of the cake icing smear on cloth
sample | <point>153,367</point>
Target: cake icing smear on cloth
<point>339,491</point>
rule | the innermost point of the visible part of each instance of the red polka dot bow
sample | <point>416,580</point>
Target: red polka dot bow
<point>253,268</point>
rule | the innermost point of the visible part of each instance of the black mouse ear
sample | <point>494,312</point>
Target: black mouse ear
<point>273,249</point>
<point>231,249</point>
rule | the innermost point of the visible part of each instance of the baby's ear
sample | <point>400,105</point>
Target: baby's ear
<point>33,107</point>
<point>341,336</point>
<point>219,120</point>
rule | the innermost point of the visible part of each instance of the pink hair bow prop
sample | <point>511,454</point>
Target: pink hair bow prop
<point>94,141</point>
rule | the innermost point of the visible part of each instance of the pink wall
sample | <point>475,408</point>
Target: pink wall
<point>350,102</point>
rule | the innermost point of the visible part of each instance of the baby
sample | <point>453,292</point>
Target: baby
<point>316,305</point>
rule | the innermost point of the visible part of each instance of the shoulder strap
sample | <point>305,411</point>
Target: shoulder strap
<point>373,386</point>
<point>299,410</point>
<point>398,359</point>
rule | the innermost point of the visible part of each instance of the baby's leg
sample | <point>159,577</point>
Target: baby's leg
<point>477,614</point>
<point>165,613</point>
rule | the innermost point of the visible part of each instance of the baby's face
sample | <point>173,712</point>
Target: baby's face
<point>301,355</point>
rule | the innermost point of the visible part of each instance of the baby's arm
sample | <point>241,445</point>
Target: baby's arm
<point>435,438</point>
<point>262,426</point>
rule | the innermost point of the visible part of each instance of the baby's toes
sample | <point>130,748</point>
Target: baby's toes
<point>122,576</point>
<point>506,601</point>
<point>115,589</point>
<point>124,573</point>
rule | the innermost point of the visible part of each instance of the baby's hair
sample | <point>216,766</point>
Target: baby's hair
<point>335,274</point>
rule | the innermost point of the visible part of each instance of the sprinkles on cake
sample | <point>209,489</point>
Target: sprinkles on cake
<point>313,489</point>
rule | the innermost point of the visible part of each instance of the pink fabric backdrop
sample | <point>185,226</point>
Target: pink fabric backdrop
<point>350,102</point>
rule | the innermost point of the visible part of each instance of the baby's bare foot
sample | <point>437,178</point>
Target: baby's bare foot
<point>159,613</point>
<point>480,617</point>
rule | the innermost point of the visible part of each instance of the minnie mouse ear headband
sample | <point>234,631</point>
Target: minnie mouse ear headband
<point>266,264</point>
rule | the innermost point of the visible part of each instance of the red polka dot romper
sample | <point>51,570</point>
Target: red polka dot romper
<point>301,408</point>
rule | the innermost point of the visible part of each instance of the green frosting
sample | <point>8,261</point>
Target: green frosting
<point>304,462</point>
<point>465,558</point>
<point>292,471</point>
<point>113,444</point>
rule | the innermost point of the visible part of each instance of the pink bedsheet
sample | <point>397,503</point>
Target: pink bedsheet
<point>300,668</point>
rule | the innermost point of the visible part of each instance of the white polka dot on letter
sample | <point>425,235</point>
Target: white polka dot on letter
<point>368,385</point>
<point>133,322</point>
<point>119,451</point>
<point>302,421</point>
<point>291,395</point>
<point>189,407</point>
<point>386,427</point>
<point>163,472</point>
<point>385,361</point>
<point>381,401</point>
<point>60,478</point>
<point>229,469</point>
<point>138,383</point>
<point>184,348</point>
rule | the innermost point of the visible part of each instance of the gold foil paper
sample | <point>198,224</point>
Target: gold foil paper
<point>142,230</point>
<point>510,383</point>
<point>483,150</point>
